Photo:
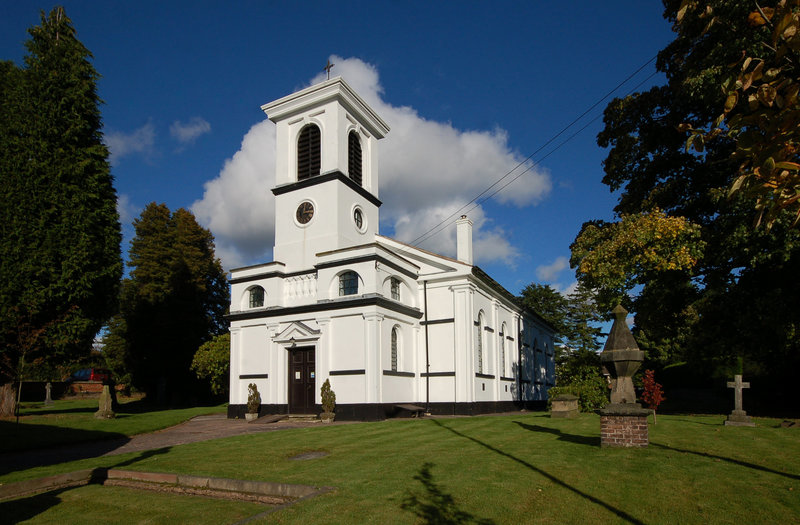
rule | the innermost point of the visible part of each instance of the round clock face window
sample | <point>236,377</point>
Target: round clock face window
<point>358,218</point>
<point>305,212</point>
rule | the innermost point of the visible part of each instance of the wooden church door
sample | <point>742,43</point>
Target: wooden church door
<point>302,382</point>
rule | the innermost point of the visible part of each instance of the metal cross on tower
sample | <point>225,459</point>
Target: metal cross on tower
<point>328,68</point>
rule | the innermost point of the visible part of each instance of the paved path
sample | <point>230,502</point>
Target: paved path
<point>201,428</point>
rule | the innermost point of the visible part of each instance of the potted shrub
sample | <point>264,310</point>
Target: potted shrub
<point>328,402</point>
<point>253,402</point>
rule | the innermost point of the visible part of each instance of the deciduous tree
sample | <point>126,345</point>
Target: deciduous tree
<point>737,296</point>
<point>212,362</point>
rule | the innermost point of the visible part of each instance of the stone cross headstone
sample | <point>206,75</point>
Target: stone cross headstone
<point>738,417</point>
<point>48,400</point>
<point>104,411</point>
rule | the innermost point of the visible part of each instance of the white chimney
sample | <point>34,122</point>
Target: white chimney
<point>464,240</point>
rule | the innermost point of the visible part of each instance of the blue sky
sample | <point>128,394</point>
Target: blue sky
<point>469,89</point>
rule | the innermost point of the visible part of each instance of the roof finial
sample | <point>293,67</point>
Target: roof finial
<point>328,68</point>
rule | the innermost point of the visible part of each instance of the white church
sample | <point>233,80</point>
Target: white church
<point>388,323</point>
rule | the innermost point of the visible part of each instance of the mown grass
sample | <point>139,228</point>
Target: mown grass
<point>525,468</point>
<point>72,421</point>
<point>97,504</point>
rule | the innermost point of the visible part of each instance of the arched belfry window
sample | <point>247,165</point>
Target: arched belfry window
<point>354,157</point>
<point>308,152</point>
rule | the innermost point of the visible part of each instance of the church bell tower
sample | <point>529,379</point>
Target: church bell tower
<point>326,172</point>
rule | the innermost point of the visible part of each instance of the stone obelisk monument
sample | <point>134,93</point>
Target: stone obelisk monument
<point>623,423</point>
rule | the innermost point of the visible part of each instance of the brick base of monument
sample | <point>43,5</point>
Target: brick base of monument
<point>623,427</point>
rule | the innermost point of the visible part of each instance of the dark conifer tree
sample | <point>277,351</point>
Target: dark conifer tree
<point>174,301</point>
<point>60,236</point>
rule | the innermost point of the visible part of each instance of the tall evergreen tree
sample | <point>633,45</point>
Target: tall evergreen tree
<point>174,301</point>
<point>575,316</point>
<point>60,236</point>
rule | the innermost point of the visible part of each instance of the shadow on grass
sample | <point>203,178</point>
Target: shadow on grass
<point>23,509</point>
<point>563,436</point>
<point>26,508</point>
<point>729,460</point>
<point>619,512</point>
<point>144,455</point>
<point>436,506</point>
<point>81,444</point>
<point>36,411</point>
<point>695,422</point>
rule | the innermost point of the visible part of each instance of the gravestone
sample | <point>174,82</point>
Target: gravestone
<point>738,418</point>
<point>623,422</point>
<point>105,411</point>
<point>564,405</point>
<point>48,400</point>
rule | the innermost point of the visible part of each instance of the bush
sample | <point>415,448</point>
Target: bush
<point>212,361</point>
<point>592,392</point>
<point>579,375</point>
<point>253,399</point>
<point>328,397</point>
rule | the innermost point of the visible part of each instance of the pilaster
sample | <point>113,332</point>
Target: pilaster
<point>464,354</point>
<point>323,355</point>
<point>373,323</point>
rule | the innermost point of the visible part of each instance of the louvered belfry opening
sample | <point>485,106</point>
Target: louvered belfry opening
<point>308,152</point>
<point>354,157</point>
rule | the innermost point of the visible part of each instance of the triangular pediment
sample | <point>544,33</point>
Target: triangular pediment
<point>298,332</point>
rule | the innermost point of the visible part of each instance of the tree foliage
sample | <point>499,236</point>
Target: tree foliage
<point>213,361</point>
<point>732,291</point>
<point>761,112</point>
<point>60,261</point>
<point>652,395</point>
<point>574,317</point>
<point>174,301</point>
<point>614,257</point>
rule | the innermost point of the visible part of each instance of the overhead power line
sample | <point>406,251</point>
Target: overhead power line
<point>486,195</point>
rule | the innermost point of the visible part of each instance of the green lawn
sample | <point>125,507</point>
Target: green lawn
<point>524,468</point>
<point>72,421</point>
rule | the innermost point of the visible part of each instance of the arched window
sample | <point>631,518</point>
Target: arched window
<point>395,288</point>
<point>354,157</point>
<point>479,343</point>
<point>348,283</point>
<point>502,347</point>
<point>256,297</point>
<point>394,349</point>
<point>308,152</point>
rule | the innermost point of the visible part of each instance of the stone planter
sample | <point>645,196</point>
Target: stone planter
<point>251,416</point>
<point>327,417</point>
<point>565,405</point>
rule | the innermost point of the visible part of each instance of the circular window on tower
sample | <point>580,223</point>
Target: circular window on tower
<point>359,220</point>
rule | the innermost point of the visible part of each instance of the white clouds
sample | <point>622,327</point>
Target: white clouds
<point>187,133</point>
<point>142,141</point>
<point>127,211</point>
<point>428,170</point>
<point>139,141</point>
<point>550,272</point>
<point>238,206</point>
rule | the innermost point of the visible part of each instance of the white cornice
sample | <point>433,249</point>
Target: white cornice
<point>318,94</point>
